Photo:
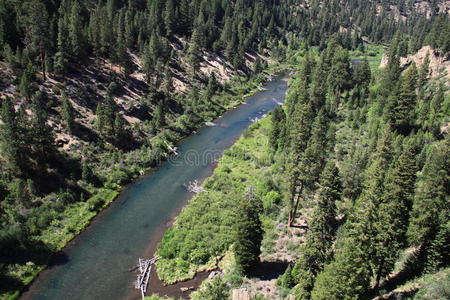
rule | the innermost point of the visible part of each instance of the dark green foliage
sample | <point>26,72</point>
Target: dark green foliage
<point>316,251</point>
<point>396,203</point>
<point>10,137</point>
<point>278,130</point>
<point>346,277</point>
<point>36,24</point>
<point>286,280</point>
<point>68,114</point>
<point>249,233</point>
<point>403,101</point>
<point>429,220</point>
<point>362,74</point>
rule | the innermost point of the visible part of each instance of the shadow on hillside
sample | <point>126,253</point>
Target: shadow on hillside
<point>412,268</point>
<point>20,250</point>
<point>9,284</point>
<point>268,270</point>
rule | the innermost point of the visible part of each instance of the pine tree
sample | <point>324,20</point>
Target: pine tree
<point>68,114</point>
<point>10,138</point>
<point>286,280</point>
<point>402,104</point>
<point>427,224</point>
<point>300,130</point>
<point>313,159</point>
<point>194,53</point>
<point>26,80</point>
<point>276,137</point>
<point>347,276</point>
<point>62,56</point>
<point>35,21</point>
<point>75,31</point>
<point>394,209</point>
<point>362,74</point>
<point>120,132</point>
<point>169,18</point>
<point>42,139</point>
<point>249,233</point>
<point>316,251</point>
<point>299,119</point>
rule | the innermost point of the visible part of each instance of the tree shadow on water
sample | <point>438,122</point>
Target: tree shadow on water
<point>58,259</point>
<point>17,247</point>
<point>268,270</point>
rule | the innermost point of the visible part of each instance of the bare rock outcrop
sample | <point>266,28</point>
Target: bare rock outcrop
<point>240,294</point>
<point>439,63</point>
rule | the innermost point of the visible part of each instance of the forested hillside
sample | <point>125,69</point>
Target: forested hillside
<point>93,93</point>
<point>361,157</point>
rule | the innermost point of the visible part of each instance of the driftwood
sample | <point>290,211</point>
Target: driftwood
<point>194,187</point>
<point>145,269</point>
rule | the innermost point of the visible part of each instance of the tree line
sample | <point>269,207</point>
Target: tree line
<point>375,143</point>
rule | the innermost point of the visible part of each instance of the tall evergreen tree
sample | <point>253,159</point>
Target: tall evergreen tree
<point>316,251</point>
<point>249,233</point>
<point>429,218</point>
<point>402,103</point>
<point>278,129</point>
<point>68,114</point>
<point>35,21</point>
<point>396,203</point>
<point>10,137</point>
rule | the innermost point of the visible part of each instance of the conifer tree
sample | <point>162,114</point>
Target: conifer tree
<point>402,103</point>
<point>316,251</point>
<point>362,74</point>
<point>10,137</point>
<point>394,209</point>
<point>41,134</point>
<point>313,159</point>
<point>35,21</point>
<point>299,135</point>
<point>169,17</point>
<point>25,85</point>
<point>68,114</point>
<point>277,131</point>
<point>75,31</point>
<point>347,276</point>
<point>249,233</point>
<point>429,218</point>
<point>120,132</point>
<point>62,56</point>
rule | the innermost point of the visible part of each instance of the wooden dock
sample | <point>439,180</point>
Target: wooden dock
<point>145,269</point>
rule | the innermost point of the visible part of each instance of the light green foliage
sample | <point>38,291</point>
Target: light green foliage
<point>202,230</point>
<point>214,289</point>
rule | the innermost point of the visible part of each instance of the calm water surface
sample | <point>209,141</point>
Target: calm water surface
<point>97,264</point>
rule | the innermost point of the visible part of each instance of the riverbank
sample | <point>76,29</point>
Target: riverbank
<point>79,215</point>
<point>201,234</point>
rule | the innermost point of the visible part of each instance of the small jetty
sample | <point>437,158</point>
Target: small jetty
<point>145,268</point>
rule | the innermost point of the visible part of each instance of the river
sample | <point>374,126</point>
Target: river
<point>96,264</point>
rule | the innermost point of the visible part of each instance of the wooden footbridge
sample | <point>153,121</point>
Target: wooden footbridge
<point>145,268</point>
